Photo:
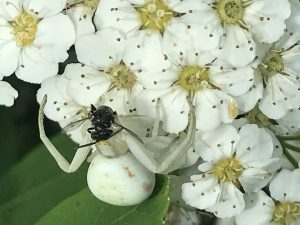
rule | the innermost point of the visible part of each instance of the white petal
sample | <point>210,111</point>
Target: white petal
<point>59,105</point>
<point>292,33</point>
<point>218,144</point>
<point>117,14</point>
<point>145,52</point>
<point>87,84</point>
<point>230,202</point>
<point>291,121</point>
<point>9,57</point>
<point>81,17</point>
<point>236,43</point>
<point>34,69</point>
<point>285,186</point>
<point>247,101</point>
<point>234,81</point>
<point>264,21</point>
<point>109,42</point>
<point>185,6</point>
<point>255,178</point>
<point>255,144</point>
<point>51,46</point>
<point>259,210</point>
<point>10,9</point>
<point>291,59</point>
<point>202,193</point>
<point>173,107</point>
<point>212,108</point>
<point>281,94</point>
<point>44,8</point>
<point>121,100</point>
<point>7,94</point>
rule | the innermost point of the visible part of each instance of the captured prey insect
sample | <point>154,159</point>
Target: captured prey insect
<point>104,123</point>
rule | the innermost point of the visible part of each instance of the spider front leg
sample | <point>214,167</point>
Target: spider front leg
<point>170,150</point>
<point>80,155</point>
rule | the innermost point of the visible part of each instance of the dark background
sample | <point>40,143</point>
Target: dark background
<point>18,124</point>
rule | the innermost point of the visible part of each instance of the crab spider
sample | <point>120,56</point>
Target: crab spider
<point>171,149</point>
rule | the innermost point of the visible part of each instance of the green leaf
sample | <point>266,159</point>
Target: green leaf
<point>84,208</point>
<point>35,185</point>
<point>34,169</point>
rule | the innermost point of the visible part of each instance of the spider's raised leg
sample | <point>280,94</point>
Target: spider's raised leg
<point>80,155</point>
<point>161,161</point>
<point>178,148</point>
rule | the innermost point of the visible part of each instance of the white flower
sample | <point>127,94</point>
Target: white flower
<point>211,85</point>
<point>7,94</point>
<point>282,208</point>
<point>81,13</point>
<point>244,22</point>
<point>234,160</point>
<point>276,82</point>
<point>112,77</point>
<point>34,38</point>
<point>291,121</point>
<point>176,21</point>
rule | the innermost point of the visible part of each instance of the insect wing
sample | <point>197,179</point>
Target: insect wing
<point>74,125</point>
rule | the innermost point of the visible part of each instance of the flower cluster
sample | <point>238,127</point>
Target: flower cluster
<point>207,84</point>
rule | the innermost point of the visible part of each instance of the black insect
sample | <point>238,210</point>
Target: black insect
<point>104,125</point>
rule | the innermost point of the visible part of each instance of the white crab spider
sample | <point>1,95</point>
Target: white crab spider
<point>171,150</point>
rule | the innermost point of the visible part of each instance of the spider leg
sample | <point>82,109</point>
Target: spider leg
<point>157,119</point>
<point>176,149</point>
<point>179,147</point>
<point>80,155</point>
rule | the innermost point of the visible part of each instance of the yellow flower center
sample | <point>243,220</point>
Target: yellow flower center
<point>121,76</point>
<point>193,78</point>
<point>286,213</point>
<point>272,63</point>
<point>24,28</point>
<point>92,3</point>
<point>231,11</point>
<point>228,170</point>
<point>155,15</point>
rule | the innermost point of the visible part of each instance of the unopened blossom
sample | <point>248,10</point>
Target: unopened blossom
<point>7,94</point>
<point>233,161</point>
<point>35,37</point>
<point>282,208</point>
<point>81,14</point>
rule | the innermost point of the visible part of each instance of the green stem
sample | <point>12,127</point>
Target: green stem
<point>288,137</point>
<point>292,160</point>
<point>291,147</point>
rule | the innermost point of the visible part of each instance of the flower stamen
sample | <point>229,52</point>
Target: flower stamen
<point>24,28</point>
<point>155,15</point>
<point>286,213</point>
<point>121,76</point>
<point>228,170</point>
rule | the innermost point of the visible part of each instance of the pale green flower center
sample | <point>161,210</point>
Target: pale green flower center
<point>255,116</point>
<point>228,170</point>
<point>272,63</point>
<point>193,78</point>
<point>91,3</point>
<point>231,11</point>
<point>121,76</point>
<point>286,213</point>
<point>154,15</point>
<point>24,28</point>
